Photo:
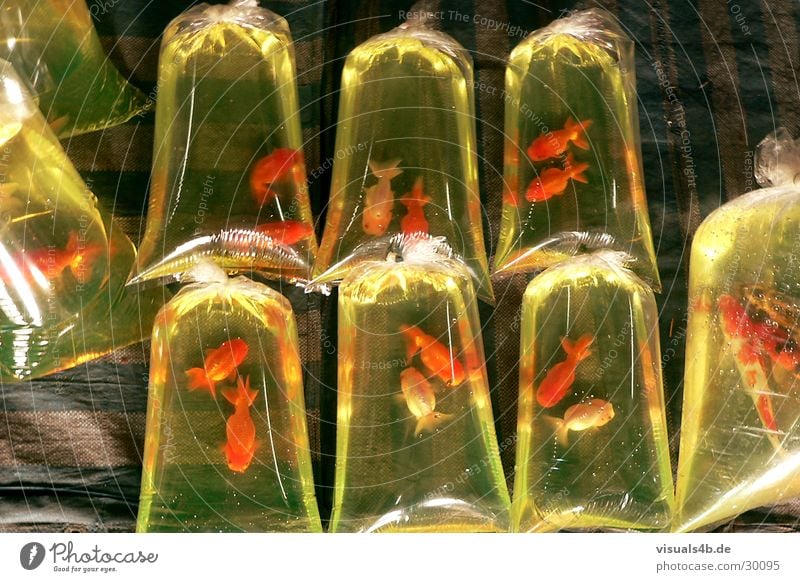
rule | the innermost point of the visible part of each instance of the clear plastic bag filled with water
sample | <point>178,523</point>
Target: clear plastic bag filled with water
<point>592,449</point>
<point>228,179</point>
<point>740,434</point>
<point>405,153</point>
<point>226,443</point>
<point>61,273</point>
<point>416,446</point>
<point>56,50</point>
<point>573,180</point>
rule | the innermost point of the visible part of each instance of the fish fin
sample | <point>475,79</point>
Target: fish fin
<point>412,346</point>
<point>560,429</point>
<point>199,380</point>
<point>580,133</point>
<point>388,169</point>
<point>578,174</point>
<point>430,422</point>
<point>764,405</point>
<point>73,243</point>
<point>245,390</point>
<point>580,349</point>
<point>231,395</point>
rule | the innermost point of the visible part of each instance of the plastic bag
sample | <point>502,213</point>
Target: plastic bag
<point>226,445</point>
<point>405,153</point>
<point>61,278</point>
<point>572,164</point>
<point>593,449</point>
<point>416,446</point>
<point>55,48</point>
<point>740,435</point>
<point>228,178</point>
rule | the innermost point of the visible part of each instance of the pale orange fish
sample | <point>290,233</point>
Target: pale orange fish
<point>743,339</point>
<point>582,416</point>
<point>553,181</point>
<point>379,198</point>
<point>274,167</point>
<point>436,357</point>
<point>421,400</point>
<point>554,143</point>
<point>561,376</point>
<point>220,363</point>
<point>45,264</point>
<point>287,232</point>
<point>415,202</point>
<point>240,428</point>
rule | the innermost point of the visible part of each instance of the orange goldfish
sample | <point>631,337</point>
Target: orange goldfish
<point>421,400</point>
<point>220,364</point>
<point>287,232</point>
<point>379,198</point>
<point>241,431</point>
<point>49,264</point>
<point>553,181</point>
<point>554,143</point>
<point>742,336</point>
<point>415,202</point>
<point>435,356</point>
<point>561,376</point>
<point>582,416</point>
<point>272,168</point>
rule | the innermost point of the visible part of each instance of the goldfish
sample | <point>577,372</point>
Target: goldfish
<point>272,168</point>
<point>561,376</point>
<point>415,202</point>
<point>421,400</point>
<point>742,335</point>
<point>49,264</point>
<point>553,181</point>
<point>436,357</point>
<point>220,363</point>
<point>379,198</point>
<point>581,416</point>
<point>287,232</point>
<point>241,444</point>
<point>554,143</point>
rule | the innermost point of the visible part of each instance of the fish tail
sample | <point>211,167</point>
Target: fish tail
<point>578,175</point>
<point>579,349</point>
<point>199,380</point>
<point>560,429</point>
<point>387,170</point>
<point>579,134</point>
<point>231,395</point>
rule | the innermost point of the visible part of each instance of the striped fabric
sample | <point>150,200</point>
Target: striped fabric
<point>714,77</point>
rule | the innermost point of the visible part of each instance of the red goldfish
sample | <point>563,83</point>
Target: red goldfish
<point>287,232</point>
<point>554,143</point>
<point>561,376</point>
<point>220,364</point>
<point>553,181</point>
<point>241,431</point>
<point>742,335</point>
<point>415,202</point>
<point>435,356</point>
<point>45,264</point>
<point>421,400</point>
<point>379,198</point>
<point>582,416</point>
<point>272,168</point>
